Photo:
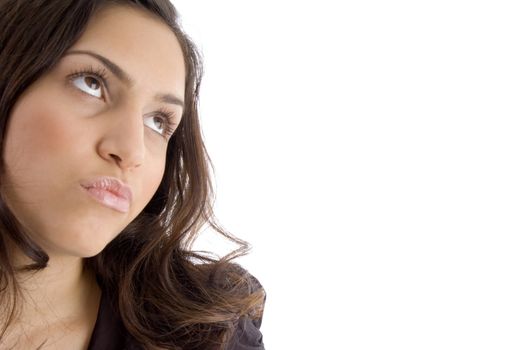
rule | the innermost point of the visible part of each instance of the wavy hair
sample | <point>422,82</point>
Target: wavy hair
<point>167,295</point>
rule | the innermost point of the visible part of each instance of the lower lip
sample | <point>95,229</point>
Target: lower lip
<point>109,199</point>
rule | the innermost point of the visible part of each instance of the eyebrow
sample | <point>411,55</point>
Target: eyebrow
<point>125,77</point>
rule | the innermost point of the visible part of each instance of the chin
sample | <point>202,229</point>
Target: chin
<point>77,252</point>
<point>91,253</point>
<point>82,247</point>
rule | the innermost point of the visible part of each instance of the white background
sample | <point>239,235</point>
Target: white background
<point>373,154</point>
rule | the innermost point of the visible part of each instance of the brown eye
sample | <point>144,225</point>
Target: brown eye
<point>159,122</point>
<point>88,84</point>
<point>156,123</point>
<point>92,82</point>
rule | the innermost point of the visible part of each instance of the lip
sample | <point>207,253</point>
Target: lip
<point>110,192</point>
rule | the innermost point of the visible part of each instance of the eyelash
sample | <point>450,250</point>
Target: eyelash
<point>102,75</point>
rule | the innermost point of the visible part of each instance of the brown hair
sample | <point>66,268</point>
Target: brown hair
<point>168,296</point>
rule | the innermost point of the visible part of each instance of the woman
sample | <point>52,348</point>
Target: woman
<point>104,185</point>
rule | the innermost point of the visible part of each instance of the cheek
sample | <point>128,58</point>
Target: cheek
<point>153,178</point>
<point>148,177</point>
<point>37,132</point>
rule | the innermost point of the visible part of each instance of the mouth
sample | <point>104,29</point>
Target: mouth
<point>109,192</point>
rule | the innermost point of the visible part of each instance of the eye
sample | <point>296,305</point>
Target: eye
<point>162,123</point>
<point>90,81</point>
<point>93,86</point>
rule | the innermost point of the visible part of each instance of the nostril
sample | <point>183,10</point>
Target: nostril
<point>124,164</point>
<point>116,157</point>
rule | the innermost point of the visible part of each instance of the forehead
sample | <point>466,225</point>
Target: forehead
<point>141,44</point>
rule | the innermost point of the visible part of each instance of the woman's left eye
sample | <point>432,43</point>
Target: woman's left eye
<point>156,123</point>
<point>159,123</point>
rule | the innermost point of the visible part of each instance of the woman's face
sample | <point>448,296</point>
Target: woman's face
<point>71,127</point>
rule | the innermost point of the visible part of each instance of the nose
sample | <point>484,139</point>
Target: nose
<point>122,140</point>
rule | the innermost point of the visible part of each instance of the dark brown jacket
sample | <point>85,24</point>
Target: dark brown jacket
<point>109,332</point>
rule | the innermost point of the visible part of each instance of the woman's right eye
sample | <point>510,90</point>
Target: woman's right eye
<point>88,84</point>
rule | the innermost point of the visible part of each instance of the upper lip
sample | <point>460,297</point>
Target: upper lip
<point>110,184</point>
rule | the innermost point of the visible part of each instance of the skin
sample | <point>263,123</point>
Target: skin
<point>62,132</point>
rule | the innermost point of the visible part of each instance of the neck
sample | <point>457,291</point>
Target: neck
<point>58,306</point>
<point>61,292</point>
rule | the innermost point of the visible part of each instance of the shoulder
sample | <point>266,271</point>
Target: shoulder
<point>240,297</point>
<point>247,333</point>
